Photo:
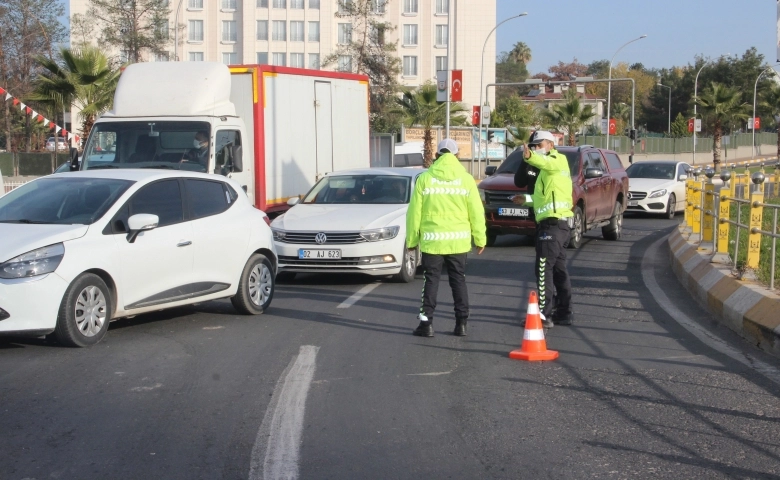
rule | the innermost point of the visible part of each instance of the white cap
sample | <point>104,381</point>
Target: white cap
<point>540,135</point>
<point>449,145</point>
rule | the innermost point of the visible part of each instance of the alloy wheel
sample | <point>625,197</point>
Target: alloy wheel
<point>90,311</point>
<point>260,284</point>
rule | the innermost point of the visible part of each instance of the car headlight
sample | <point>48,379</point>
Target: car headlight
<point>31,264</point>
<point>481,194</point>
<point>279,235</point>
<point>380,233</point>
<point>657,193</point>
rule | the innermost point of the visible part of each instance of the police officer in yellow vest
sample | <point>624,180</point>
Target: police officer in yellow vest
<point>552,203</point>
<point>444,214</point>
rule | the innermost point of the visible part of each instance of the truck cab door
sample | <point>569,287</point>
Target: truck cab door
<point>226,165</point>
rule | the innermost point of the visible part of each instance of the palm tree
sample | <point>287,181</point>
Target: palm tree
<point>570,116</point>
<point>722,105</point>
<point>83,77</point>
<point>621,112</point>
<point>419,107</point>
<point>520,53</point>
<point>771,102</point>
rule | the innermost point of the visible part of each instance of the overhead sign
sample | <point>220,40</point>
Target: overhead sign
<point>457,86</point>
<point>441,86</point>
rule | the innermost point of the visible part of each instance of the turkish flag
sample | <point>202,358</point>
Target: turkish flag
<point>612,126</point>
<point>475,115</point>
<point>756,123</point>
<point>456,94</point>
<point>690,125</point>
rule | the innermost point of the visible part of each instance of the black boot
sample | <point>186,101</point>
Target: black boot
<point>563,318</point>
<point>460,328</point>
<point>424,329</point>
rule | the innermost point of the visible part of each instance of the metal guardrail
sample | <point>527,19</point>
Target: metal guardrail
<point>708,208</point>
<point>666,145</point>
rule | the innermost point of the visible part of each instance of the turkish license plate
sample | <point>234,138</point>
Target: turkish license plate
<point>319,254</point>
<point>633,203</point>
<point>513,212</point>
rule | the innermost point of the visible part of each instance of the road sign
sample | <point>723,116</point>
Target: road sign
<point>475,115</point>
<point>441,86</point>
<point>604,126</point>
<point>485,115</point>
<point>698,125</point>
<point>457,86</point>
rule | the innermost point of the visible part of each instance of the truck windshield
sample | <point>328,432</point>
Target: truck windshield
<point>177,145</point>
<point>370,189</point>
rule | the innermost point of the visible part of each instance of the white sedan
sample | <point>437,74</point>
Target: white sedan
<point>78,250</point>
<point>657,186</point>
<point>350,221</point>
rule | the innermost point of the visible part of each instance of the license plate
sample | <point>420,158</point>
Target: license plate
<point>513,212</point>
<point>633,203</point>
<point>319,254</point>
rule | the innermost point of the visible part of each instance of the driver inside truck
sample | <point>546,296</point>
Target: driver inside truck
<point>200,152</point>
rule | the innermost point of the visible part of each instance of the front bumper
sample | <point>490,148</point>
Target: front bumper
<point>645,204</point>
<point>350,261</point>
<point>501,225</point>
<point>31,304</point>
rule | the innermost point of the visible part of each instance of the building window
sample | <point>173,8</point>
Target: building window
<point>296,4</point>
<point>262,29</point>
<point>314,31</point>
<point>196,56</point>
<point>345,63</point>
<point>195,4</point>
<point>262,58</point>
<point>162,31</point>
<point>410,7</point>
<point>279,59</point>
<point>280,3</point>
<point>441,35</point>
<point>296,31</point>
<point>410,66</point>
<point>262,3</point>
<point>314,61</point>
<point>195,31</point>
<point>441,63</point>
<point>378,6</point>
<point>228,4</point>
<point>442,7</point>
<point>296,60</point>
<point>345,33</point>
<point>161,57</point>
<point>410,34</point>
<point>314,4</point>
<point>229,58</point>
<point>280,31</point>
<point>229,33</point>
<point>344,6</point>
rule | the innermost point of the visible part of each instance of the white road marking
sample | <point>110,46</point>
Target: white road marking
<point>358,295</point>
<point>146,389</point>
<point>431,374</point>
<point>278,442</point>
<point>213,328</point>
<point>693,327</point>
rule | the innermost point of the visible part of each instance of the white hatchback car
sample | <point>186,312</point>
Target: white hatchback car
<point>351,221</point>
<point>657,186</point>
<point>78,250</point>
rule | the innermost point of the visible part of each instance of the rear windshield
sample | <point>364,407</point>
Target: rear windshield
<point>512,162</point>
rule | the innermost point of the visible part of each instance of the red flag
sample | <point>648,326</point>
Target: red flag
<point>52,126</point>
<point>77,139</point>
<point>40,118</point>
<point>475,115</point>
<point>690,125</point>
<point>16,102</point>
<point>27,110</point>
<point>612,126</point>
<point>2,90</point>
<point>756,123</point>
<point>64,133</point>
<point>457,86</point>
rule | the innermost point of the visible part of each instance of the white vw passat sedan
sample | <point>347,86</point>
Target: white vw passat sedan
<point>350,222</point>
<point>78,250</point>
<point>657,186</point>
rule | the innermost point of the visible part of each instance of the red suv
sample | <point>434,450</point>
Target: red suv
<point>600,191</point>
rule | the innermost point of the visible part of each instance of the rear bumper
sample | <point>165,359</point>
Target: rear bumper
<point>502,225</point>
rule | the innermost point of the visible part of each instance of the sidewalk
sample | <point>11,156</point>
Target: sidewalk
<point>747,308</point>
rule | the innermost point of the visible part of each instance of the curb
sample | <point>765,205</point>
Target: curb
<point>748,309</point>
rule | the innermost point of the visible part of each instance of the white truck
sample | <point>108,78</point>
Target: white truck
<point>275,130</point>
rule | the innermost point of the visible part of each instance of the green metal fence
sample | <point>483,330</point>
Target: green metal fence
<point>660,145</point>
<point>30,164</point>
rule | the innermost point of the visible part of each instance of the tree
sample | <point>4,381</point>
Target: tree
<point>134,27</point>
<point>680,126</point>
<point>721,105</point>
<point>419,107</point>
<point>84,77</point>
<point>510,71</point>
<point>520,53</point>
<point>567,71</point>
<point>370,54</point>
<point>771,103</point>
<point>570,116</point>
<point>513,111</point>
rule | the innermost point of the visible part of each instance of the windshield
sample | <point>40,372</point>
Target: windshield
<point>366,189</point>
<point>512,162</point>
<point>651,170</point>
<point>148,145</point>
<point>61,200</point>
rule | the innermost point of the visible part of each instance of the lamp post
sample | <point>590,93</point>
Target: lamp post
<point>669,131</point>
<point>176,33</point>
<point>755,89</point>
<point>481,81</point>
<point>609,84</point>
<point>695,103</point>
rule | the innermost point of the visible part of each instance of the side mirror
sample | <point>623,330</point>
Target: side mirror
<point>238,160</point>
<point>682,178</point>
<point>593,173</point>
<point>490,170</point>
<point>74,159</point>
<point>141,222</point>
<point>293,201</point>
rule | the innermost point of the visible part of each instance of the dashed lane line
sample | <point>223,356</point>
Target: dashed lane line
<point>358,295</point>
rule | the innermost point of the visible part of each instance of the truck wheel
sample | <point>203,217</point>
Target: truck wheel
<point>491,239</point>
<point>614,230</point>
<point>256,288</point>
<point>578,230</point>
<point>671,207</point>
<point>408,267</point>
<point>84,313</point>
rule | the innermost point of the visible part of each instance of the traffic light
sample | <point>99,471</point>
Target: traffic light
<point>632,134</point>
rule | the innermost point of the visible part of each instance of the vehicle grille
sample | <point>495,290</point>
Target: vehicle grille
<point>345,261</point>
<point>638,195</point>
<point>498,197</point>
<point>333,238</point>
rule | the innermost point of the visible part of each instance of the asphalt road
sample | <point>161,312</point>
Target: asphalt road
<point>203,393</point>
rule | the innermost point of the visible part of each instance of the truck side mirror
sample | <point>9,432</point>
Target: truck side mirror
<point>74,159</point>
<point>593,173</point>
<point>490,170</point>
<point>236,155</point>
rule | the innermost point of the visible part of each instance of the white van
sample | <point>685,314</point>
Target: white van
<point>409,154</point>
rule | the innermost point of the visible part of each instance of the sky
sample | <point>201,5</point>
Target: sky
<point>677,30</point>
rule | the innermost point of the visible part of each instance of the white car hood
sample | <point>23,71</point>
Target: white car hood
<point>649,184</point>
<point>340,218</point>
<point>19,238</point>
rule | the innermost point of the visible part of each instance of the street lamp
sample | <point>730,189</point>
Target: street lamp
<point>609,84</point>
<point>176,33</point>
<point>481,81</point>
<point>670,107</point>
<point>755,88</point>
<point>695,103</point>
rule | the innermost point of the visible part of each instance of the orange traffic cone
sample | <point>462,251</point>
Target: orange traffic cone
<point>534,347</point>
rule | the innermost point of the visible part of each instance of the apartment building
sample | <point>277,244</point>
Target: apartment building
<point>301,33</point>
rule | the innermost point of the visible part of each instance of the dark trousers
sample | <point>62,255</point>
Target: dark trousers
<point>552,238</point>
<point>456,271</point>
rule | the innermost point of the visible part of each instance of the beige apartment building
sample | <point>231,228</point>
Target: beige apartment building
<point>301,33</point>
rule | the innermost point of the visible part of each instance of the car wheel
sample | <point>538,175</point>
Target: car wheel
<point>409,266</point>
<point>491,239</point>
<point>578,230</point>
<point>671,207</point>
<point>256,288</point>
<point>85,312</point>
<point>614,230</point>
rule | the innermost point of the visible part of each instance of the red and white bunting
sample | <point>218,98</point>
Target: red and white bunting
<point>35,116</point>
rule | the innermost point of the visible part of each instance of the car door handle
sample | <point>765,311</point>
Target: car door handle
<point>184,243</point>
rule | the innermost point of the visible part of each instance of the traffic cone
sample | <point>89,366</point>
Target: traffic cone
<point>534,347</point>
